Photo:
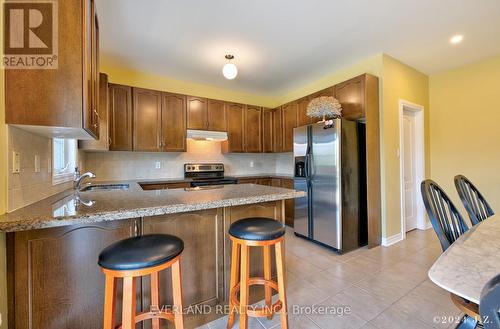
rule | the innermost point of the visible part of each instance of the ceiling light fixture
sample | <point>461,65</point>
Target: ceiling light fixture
<point>456,39</point>
<point>229,70</point>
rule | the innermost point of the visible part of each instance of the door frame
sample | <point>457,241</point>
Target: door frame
<point>418,110</point>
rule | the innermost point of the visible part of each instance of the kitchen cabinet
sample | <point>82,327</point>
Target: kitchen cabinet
<point>302,118</point>
<point>120,117</point>
<point>201,260</point>
<point>267,131</point>
<point>235,129</point>
<point>289,117</point>
<point>197,115</point>
<point>264,181</point>
<point>252,123</point>
<point>350,94</point>
<point>289,204</point>
<point>61,102</point>
<point>216,115</point>
<point>277,130</point>
<point>276,182</point>
<point>173,123</point>
<point>102,143</point>
<point>147,119</point>
<point>54,280</point>
<point>248,180</point>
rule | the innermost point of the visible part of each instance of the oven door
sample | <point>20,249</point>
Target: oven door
<point>211,182</point>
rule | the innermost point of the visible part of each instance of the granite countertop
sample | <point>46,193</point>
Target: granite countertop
<point>70,208</point>
<point>471,261</point>
<point>187,180</point>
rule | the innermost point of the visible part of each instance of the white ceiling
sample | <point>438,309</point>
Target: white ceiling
<point>280,45</point>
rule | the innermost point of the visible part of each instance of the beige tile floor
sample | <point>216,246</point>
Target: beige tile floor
<point>383,287</point>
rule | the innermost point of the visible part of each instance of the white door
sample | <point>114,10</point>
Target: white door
<point>409,173</point>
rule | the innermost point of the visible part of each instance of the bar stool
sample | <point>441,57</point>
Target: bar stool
<point>135,257</point>
<point>256,232</point>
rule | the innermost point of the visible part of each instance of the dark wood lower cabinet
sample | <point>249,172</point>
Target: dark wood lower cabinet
<point>54,281</point>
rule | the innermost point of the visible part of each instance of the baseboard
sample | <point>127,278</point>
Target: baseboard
<point>386,242</point>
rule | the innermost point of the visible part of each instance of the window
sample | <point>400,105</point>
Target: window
<point>63,160</point>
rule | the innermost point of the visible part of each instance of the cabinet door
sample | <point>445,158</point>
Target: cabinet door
<point>101,144</point>
<point>216,112</point>
<point>96,122</point>
<point>253,129</point>
<point>264,181</point>
<point>89,117</point>
<point>120,118</point>
<point>289,112</point>
<point>276,182</point>
<point>248,181</point>
<point>234,114</point>
<point>57,283</point>
<point>173,123</point>
<point>197,117</point>
<point>267,131</point>
<point>147,119</point>
<point>351,95</point>
<point>302,118</point>
<point>201,259</point>
<point>277,130</point>
<point>289,204</point>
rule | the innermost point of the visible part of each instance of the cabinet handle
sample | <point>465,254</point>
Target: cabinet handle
<point>97,114</point>
<point>109,141</point>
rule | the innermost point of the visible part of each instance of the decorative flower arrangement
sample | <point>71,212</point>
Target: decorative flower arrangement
<point>324,107</point>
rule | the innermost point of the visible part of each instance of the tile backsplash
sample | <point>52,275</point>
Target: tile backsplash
<point>142,165</point>
<point>28,186</point>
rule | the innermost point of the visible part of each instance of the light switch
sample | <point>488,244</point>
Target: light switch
<point>16,162</point>
<point>37,163</point>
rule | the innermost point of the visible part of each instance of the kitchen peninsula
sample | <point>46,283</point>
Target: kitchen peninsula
<point>52,246</point>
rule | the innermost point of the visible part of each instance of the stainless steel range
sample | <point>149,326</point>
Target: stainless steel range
<point>206,174</point>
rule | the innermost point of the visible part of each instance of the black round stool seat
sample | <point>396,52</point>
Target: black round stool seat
<point>257,228</point>
<point>140,252</point>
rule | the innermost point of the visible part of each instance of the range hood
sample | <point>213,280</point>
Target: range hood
<point>205,135</point>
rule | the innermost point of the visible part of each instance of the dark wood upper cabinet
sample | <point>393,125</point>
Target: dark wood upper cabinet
<point>277,130</point>
<point>197,116</point>
<point>147,119</point>
<point>216,115</point>
<point>102,143</point>
<point>173,123</point>
<point>350,94</point>
<point>267,131</point>
<point>302,118</point>
<point>65,97</point>
<point>234,115</point>
<point>120,117</point>
<point>253,129</point>
<point>289,116</point>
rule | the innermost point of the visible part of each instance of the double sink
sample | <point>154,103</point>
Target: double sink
<point>104,187</point>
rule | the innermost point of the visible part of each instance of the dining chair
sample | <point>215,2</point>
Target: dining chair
<point>476,205</point>
<point>447,222</point>
<point>489,304</point>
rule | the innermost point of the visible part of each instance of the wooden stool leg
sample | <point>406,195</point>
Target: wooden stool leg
<point>177,292</point>
<point>267,276</point>
<point>280,265</point>
<point>244,287</point>
<point>155,298</point>
<point>233,281</point>
<point>128,312</point>
<point>109,302</point>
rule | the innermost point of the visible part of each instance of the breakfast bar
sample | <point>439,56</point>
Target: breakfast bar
<point>53,246</point>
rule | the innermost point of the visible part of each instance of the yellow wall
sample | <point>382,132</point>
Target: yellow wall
<point>464,129</point>
<point>130,77</point>
<point>399,82</point>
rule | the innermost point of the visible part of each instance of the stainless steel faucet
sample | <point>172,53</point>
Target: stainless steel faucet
<point>79,179</point>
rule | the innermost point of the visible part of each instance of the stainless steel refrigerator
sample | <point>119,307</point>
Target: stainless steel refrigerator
<point>330,165</point>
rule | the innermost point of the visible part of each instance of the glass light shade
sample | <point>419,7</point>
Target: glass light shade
<point>230,71</point>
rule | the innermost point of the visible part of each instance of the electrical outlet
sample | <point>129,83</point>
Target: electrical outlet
<point>158,164</point>
<point>37,163</point>
<point>252,164</point>
<point>16,162</point>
